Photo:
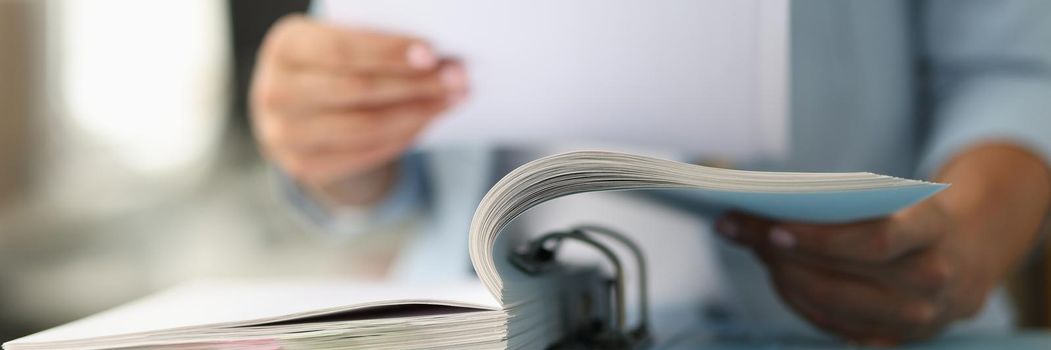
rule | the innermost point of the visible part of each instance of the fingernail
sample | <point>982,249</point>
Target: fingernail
<point>727,228</point>
<point>782,238</point>
<point>420,56</point>
<point>453,77</point>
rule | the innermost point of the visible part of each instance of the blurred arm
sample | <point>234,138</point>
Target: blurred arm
<point>407,196</point>
<point>990,66</point>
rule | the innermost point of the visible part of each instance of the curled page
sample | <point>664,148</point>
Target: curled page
<point>812,197</point>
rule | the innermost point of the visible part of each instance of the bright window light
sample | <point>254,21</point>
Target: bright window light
<point>143,79</point>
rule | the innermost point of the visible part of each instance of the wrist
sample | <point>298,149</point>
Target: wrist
<point>997,203</point>
<point>359,190</point>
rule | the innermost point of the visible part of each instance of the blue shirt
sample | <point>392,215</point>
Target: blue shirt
<point>892,87</point>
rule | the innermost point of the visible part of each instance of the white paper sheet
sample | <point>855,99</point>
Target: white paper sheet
<point>235,302</point>
<point>704,77</point>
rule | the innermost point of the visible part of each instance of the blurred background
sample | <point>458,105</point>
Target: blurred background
<point>127,164</point>
<point>126,160</point>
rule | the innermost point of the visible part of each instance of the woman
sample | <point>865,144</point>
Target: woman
<point>952,91</point>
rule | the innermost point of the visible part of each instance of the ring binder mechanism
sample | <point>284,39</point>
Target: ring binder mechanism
<point>539,256</point>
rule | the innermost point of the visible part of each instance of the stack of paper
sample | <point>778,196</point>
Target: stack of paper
<point>814,197</point>
<point>304,314</point>
<point>506,309</point>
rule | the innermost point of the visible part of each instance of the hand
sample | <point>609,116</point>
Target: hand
<point>334,107</point>
<point>880,281</point>
<point>907,276</point>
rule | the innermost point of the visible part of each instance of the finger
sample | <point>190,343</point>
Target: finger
<point>364,128</point>
<point>301,43</point>
<point>317,161</point>
<point>818,319</point>
<point>880,240</point>
<point>855,308</point>
<point>322,166</point>
<point>925,274</point>
<point>743,228</point>
<point>312,92</point>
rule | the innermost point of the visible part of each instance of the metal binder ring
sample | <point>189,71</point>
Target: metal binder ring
<point>539,255</point>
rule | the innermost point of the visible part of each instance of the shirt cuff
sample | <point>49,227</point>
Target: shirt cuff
<point>408,196</point>
<point>1011,109</point>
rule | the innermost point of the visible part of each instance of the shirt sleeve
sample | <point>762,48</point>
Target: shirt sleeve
<point>990,76</point>
<point>408,198</point>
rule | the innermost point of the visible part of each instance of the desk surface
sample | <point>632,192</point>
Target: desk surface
<point>1022,340</point>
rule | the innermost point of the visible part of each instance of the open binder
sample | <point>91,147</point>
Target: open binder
<point>523,299</point>
<point>597,318</point>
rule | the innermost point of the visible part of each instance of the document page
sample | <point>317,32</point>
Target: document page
<point>232,303</point>
<point>700,77</point>
<point>810,197</point>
